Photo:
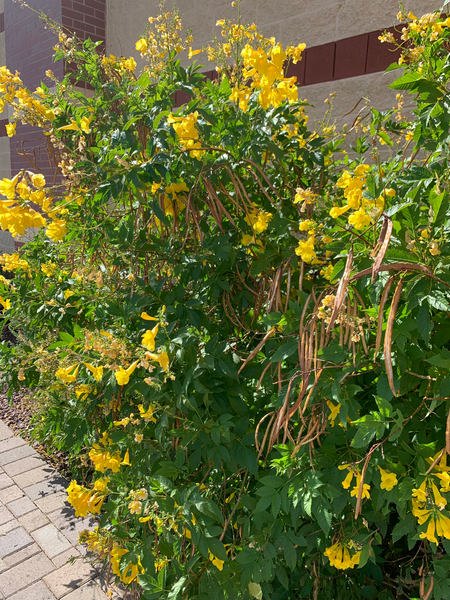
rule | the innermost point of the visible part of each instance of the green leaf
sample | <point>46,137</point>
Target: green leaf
<point>177,588</point>
<point>424,323</point>
<point>284,351</point>
<point>255,590</point>
<point>290,554</point>
<point>403,527</point>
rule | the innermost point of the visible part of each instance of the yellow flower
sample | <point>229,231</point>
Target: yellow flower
<point>5,303</point>
<point>305,249</point>
<point>123,375</point>
<point>445,481</point>
<point>56,230</point>
<point>388,480</point>
<point>129,63</point>
<point>434,250</point>
<point>82,391</point>
<point>135,507</point>
<point>348,480</point>
<point>97,372</point>
<point>138,437</point>
<point>425,234</point>
<point>429,534</point>
<point>87,501</point>
<point>141,45</point>
<point>38,180</point>
<point>103,459</point>
<point>124,422</point>
<point>334,411</point>
<point>421,492</point>
<point>67,375</point>
<point>147,414</point>
<point>307,225</point>
<point>216,562</point>
<point>11,129</point>
<point>443,526</point>
<point>194,52</point>
<point>439,500</point>
<point>340,558</point>
<point>144,519</point>
<point>48,268</point>
<point>359,219</point>
<point>130,572</point>
<point>85,124</point>
<point>148,338</point>
<point>162,359</point>
<point>126,459</point>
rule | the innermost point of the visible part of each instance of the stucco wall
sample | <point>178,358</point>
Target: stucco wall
<point>314,22</point>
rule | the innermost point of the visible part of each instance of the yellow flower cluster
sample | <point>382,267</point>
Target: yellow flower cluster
<point>131,571</point>
<point>27,105</point>
<point>264,71</point>
<point>258,219</point>
<point>340,557</point>
<point>87,501</point>
<point>354,472</point>
<point>102,458</point>
<point>428,502</point>
<point>157,45</point>
<point>13,262</point>
<point>365,211</point>
<point>187,133</point>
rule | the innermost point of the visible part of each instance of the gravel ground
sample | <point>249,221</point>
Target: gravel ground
<point>17,412</point>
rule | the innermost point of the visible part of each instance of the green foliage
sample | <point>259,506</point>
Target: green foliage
<point>253,355</point>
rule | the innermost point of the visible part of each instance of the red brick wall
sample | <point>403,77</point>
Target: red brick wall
<point>86,17</point>
<point>29,50</point>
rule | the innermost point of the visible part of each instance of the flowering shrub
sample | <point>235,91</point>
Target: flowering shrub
<point>238,330</point>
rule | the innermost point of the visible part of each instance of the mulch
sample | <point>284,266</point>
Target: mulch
<point>17,412</point>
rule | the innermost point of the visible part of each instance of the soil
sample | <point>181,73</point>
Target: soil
<point>17,412</point>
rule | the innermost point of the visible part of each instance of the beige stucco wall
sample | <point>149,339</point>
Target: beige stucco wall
<point>314,22</point>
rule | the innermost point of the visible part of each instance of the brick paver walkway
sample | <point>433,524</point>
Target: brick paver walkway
<point>39,532</point>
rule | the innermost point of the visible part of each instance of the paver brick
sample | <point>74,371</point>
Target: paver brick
<point>20,556</point>
<point>5,481</point>
<point>61,559</point>
<point>89,591</point>
<point>53,502</point>
<point>5,431</point>
<point>11,493</point>
<point>5,515</point>
<point>69,577</point>
<point>28,478</point>
<point>25,464</point>
<point>16,454</point>
<point>11,443</point>
<point>21,506</point>
<point>33,520</point>
<point>44,488</point>
<point>69,524</point>
<point>9,526</point>
<point>51,540</point>
<point>37,591</point>
<point>23,575</point>
<point>14,540</point>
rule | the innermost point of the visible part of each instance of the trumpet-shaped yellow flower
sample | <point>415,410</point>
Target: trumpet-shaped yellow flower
<point>305,249</point>
<point>103,459</point>
<point>56,230</point>
<point>388,480</point>
<point>97,372</point>
<point>38,180</point>
<point>148,338</point>
<point>147,414</point>
<point>67,375</point>
<point>147,317</point>
<point>123,375</point>
<point>87,501</point>
<point>216,562</point>
<point>162,359</point>
<point>340,557</point>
